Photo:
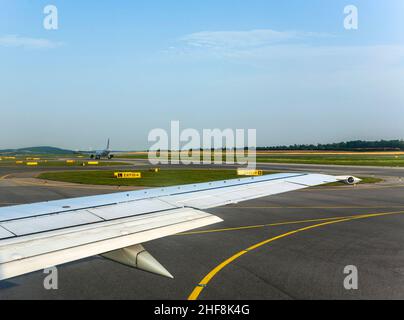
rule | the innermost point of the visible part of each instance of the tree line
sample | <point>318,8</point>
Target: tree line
<point>357,145</point>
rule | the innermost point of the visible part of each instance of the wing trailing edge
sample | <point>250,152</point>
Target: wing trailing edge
<point>43,235</point>
<point>36,252</point>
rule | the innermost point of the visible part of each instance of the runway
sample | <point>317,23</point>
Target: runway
<point>290,246</point>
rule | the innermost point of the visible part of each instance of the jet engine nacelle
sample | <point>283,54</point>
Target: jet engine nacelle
<point>351,180</point>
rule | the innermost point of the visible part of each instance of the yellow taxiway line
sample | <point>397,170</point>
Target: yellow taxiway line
<point>350,188</point>
<point>311,207</point>
<point>49,184</point>
<point>285,223</point>
<point>262,226</point>
<point>205,281</point>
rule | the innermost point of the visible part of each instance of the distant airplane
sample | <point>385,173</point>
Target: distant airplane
<point>106,153</point>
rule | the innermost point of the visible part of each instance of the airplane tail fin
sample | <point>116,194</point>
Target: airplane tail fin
<point>108,144</point>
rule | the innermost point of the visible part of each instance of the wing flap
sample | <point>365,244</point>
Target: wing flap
<point>37,236</point>
<point>5,233</point>
<point>131,209</point>
<point>59,206</point>
<point>54,215</point>
<point>234,194</point>
<point>31,253</point>
<point>311,180</point>
<point>26,226</point>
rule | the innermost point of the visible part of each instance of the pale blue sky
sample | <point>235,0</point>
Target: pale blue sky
<point>121,68</point>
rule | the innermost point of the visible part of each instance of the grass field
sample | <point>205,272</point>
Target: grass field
<point>151,179</point>
<point>57,163</point>
<point>379,159</point>
<point>42,156</point>
<point>132,156</point>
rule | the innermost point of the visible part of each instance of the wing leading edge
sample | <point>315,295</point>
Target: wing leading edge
<point>37,236</point>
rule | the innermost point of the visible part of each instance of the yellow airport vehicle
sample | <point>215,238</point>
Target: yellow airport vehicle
<point>128,175</point>
<point>19,162</point>
<point>70,161</point>
<point>93,163</point>
<point>249,172</point>
<point>32,163</point>
<point>156,170</point>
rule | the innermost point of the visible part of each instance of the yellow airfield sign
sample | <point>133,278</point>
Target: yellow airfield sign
<point>128,175</point>
<point>249,172</point>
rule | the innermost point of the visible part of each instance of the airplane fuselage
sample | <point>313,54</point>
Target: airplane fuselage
<point>106,153</point>
<point>102,154</point>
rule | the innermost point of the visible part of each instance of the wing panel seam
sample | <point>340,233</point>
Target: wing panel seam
<point>111,238</point>
<point>153,197</point>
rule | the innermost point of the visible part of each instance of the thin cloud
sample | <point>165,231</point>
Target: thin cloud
<point>243,39</point>
<point>16,41</point>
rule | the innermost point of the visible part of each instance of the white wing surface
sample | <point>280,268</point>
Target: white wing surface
<point>41,235</point>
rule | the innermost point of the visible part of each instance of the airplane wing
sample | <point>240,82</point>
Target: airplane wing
<point>42,235</point>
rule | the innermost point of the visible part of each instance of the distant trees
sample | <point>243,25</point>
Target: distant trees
<point>358,145</point>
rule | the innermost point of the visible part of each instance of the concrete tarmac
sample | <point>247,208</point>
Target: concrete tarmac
<point>299,244</point>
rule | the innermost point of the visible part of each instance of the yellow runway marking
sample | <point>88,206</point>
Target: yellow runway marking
<point>75,186</point>
<point>314,207</point>
<point>344,188</point>
<point>205,281</point>
<point>285,223</point>
<point>264,225</point>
